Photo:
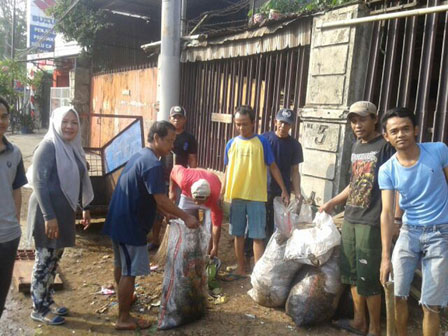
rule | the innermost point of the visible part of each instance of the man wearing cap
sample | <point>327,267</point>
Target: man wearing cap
<point>185,149</point>
<point>185,146</point>
<point>361,237</point>
<point>200,189</point>
<point>287,154</point>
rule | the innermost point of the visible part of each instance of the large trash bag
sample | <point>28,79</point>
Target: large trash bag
<point>314,297</point>
<point>313,245</point>
<point>272,275</point>
<point>286,218</point>
<point>184,288</point>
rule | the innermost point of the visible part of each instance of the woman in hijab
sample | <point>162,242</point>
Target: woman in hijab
<point>60,180</point>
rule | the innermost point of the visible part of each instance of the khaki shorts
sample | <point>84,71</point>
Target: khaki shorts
<point>361,257</point>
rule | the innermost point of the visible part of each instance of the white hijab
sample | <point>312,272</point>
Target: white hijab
<point>68,171</point>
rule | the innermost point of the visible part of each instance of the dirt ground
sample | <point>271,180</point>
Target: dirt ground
<point>89,266</point>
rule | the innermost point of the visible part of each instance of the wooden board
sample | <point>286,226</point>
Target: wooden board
<point>23,268</point>
<point>222,118</point>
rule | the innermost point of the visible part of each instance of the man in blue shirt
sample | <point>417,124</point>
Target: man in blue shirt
<point>419,173</point>
<point>140,191</point>
<point>288,154</point>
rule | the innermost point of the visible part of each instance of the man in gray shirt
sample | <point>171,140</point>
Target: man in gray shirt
<point>12,178</point>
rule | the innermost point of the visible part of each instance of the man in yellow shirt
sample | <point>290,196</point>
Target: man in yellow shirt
<point>247,157</point>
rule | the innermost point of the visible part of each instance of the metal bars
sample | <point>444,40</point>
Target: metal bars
<point>267,82</point>
<point>408,66</point>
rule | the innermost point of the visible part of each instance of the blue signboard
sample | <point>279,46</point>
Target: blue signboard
<point>120,149</point>
<point>36,34</point>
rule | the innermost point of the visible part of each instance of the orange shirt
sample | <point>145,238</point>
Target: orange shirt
<point>185,177</point>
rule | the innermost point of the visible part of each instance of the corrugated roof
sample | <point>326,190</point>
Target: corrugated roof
<point>286,34</point>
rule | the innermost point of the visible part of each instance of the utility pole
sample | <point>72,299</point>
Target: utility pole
<point>13,31</point>
<point>169,60</point>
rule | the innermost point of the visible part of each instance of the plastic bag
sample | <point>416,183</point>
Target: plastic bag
<point>314,297</point>
<point>286,218</point>
<point>184,288</point>
<point>272,275</point>
<point>313,245</point>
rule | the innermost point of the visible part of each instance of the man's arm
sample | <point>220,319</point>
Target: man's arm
<point>193,160</point>
<point>223,185</point>
<point>17,195</point>
<point>295,178</point>
<point>340,198</point>
<point>275,172</point>
<point>172,190</point>
<point>387,230</point>
<point>164,203</point>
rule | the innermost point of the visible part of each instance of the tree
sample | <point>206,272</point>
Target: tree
<point>6,18</point>
<point>80,24</point>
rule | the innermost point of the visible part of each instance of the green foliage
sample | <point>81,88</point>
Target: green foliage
<point>299,6</point>
<point>11,72</point>
<point>6,15</point>
<point>82,23</point>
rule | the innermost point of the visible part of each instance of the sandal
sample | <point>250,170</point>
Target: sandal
<point>58,310</point>
<point>233,277</point>
<point>345,325</point>
<point>55,320</point>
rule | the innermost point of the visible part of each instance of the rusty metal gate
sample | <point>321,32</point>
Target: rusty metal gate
<point>408,66</point>
<point>211,90</point>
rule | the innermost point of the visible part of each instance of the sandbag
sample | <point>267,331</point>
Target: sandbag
<point>313,245</point>
<point>184,288</point>
<point>272,275</point>
<point>286,218</point>
<point>315,294</point>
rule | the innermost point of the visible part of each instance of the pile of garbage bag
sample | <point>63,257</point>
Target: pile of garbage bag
<point>299,269</point>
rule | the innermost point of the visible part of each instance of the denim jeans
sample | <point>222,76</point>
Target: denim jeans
<point>427,245</point>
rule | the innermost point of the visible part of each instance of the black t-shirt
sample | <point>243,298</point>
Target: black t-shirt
<point>184,145</point>
<point>364,201</point>
<point>287,152</point>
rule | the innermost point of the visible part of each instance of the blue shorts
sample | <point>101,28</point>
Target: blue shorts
<point>248,213</point>
<point>427,245</point>
<point>133,260</point>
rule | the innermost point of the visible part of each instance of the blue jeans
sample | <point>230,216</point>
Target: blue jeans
<point>427,245</point>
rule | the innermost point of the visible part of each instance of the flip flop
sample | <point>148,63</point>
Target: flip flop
<point>139,324</point>
<point>345,325</point>
<point>233,277</point>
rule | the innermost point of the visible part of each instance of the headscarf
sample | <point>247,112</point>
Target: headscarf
<point>67,167</point>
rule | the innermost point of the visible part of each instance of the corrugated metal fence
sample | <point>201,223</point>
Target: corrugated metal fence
<point>211,90</point>
<point>408,66</point>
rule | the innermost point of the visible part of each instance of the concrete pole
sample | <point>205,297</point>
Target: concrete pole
<point>169,60</point>
<point>183,19</point>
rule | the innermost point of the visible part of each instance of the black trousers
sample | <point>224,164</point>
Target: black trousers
<point>8,252</point>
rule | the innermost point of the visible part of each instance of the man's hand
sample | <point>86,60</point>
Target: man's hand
<point>191,222</point>
<point>86,219</point>
<point>213,252</point>
<point>385,270</point>
<point>285,197</point>
<point>52,228</point>
<point>327,207</point>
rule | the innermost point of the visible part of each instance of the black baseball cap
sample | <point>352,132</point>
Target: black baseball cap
<point>178,110</point>
<point>286,115</point>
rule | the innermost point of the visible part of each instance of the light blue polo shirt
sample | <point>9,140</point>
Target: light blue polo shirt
<point>423,187</point>
<point>12,176</point>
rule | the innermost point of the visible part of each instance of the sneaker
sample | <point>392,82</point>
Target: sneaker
<point>48,318</point>
<point>58,310</point>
